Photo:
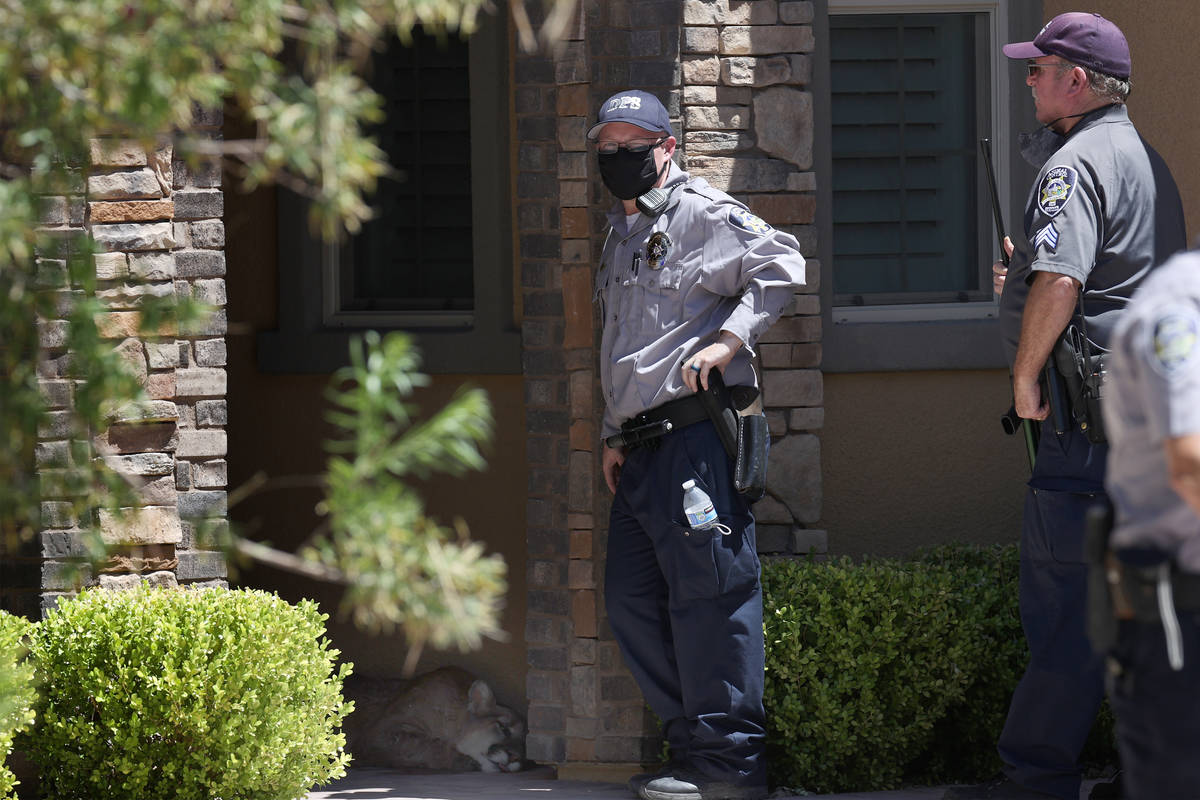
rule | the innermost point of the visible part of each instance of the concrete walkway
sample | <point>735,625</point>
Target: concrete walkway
<point>540,784</point>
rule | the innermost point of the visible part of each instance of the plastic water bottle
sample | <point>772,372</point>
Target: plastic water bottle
<point>698,508</point>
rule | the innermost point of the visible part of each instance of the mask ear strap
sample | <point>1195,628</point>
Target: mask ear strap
<point>666,166</point>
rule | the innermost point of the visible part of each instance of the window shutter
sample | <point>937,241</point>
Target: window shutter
<point>905,111</point>
<point>417,255</point>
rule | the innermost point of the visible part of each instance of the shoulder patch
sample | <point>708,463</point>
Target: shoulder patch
<point>1056,188</point>
<point>1175,341</point>
<point>747,221</point>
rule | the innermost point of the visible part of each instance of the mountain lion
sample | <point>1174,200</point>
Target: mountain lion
<point>443,720</point>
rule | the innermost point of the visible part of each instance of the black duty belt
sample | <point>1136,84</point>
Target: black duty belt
<point>644,429</point>
<point>1136,590</point>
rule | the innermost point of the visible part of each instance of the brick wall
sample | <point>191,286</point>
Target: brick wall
<point>545,356</point>
<point>158,226</point>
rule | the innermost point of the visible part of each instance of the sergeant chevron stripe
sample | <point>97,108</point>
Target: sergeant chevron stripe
<point>1047,236</point>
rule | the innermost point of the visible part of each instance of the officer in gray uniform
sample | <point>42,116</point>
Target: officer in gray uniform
<point>1103,212</point>
<point>689,280</point>
<point>1152,414</point>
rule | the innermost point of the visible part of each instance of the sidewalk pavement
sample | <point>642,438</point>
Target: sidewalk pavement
<point>538,784</point>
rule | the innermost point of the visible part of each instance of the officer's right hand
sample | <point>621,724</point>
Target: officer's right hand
<point>1028,400</point>
<point>611,461</point>
<point>1000,269</point>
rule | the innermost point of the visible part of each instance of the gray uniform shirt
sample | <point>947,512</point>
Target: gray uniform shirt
<point>668,286</point>
<point>1152,394</point>
<point>1105,211</point>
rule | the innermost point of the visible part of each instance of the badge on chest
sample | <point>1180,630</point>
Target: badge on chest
<point>657,250</point>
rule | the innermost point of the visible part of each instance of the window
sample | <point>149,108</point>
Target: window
<point>908,109</point>
<point>437,259</point>
<point>416,258</point>
<point>903,94</point>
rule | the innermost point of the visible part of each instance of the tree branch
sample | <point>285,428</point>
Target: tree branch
<point>264,554</point>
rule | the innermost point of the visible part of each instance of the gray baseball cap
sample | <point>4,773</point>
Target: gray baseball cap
<point>635,107</point>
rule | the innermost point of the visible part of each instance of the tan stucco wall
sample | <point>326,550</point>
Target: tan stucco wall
<point>276,425</point>
<point>916,458</point>
<point>911,459</point>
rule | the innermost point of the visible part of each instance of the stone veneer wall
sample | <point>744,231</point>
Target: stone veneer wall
<point>732,75</point>
<point>158,225</point>
<point>748,129</point>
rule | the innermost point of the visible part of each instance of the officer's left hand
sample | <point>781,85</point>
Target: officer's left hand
<point>696,368</point>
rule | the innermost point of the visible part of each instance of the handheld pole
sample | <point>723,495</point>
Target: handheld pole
<point>1029,430</point>
<point>985,146</point>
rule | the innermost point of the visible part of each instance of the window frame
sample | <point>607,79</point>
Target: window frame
<point>314,330</point>
<point>940,335</point>
<point>982,113</point>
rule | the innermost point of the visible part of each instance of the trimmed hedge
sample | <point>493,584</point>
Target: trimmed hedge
<point>186,694</point>
<point>16,693</point>
<point>885,673</point>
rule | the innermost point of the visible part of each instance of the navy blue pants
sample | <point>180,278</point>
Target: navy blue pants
<point>1055,703</point>
<point>1158,711</point>
<point>686,606</point>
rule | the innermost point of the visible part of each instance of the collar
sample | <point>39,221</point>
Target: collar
<point>1104,115</point>
<point>1039,145</point>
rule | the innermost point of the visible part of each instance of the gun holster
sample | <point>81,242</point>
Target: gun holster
<point>1083,376</point>
<point>750,466</point>
<point>742,426</point>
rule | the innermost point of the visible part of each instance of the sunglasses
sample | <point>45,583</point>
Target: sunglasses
<point>1033,67</point>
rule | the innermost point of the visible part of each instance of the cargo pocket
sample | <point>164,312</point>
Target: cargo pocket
<point>692,569</point>
<point>1061,525</point>
<point>706,564</point>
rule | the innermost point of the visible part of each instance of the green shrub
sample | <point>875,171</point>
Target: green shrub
<point>862,662</point>
<point>963,746</point>
<point>186,694</point>
<point>885,673</point>
<point>16,693</point>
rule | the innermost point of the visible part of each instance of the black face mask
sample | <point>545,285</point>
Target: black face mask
<point>1037,147</point>
<point>628,175</point>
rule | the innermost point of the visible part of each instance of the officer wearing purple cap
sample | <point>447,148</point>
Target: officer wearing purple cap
<point>1103,213</point>
<point>689,280</point>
